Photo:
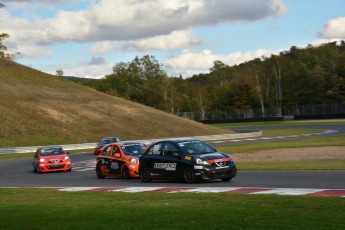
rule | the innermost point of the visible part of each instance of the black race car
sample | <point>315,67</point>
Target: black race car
<point>190,160</point>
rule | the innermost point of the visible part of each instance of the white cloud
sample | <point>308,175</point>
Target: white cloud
<point>132,25</point>
<point>175,40</point>
<point>190,62</point>
<point>109,20</point>
<point>85,70</point>
<point>334,29</point>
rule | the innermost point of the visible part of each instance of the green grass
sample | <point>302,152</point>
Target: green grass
<point>303,165</point>
<point>300,165</point>
<point>48,209</point>
<point>309,142</point>
<point>288,132</point>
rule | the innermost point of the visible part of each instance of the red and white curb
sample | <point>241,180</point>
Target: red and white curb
<point>232,190</point>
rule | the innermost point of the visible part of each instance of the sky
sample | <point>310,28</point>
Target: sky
<point>87,38</point>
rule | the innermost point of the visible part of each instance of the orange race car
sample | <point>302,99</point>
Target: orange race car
<point>120,160</point>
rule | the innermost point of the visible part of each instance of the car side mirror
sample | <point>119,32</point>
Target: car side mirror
<point>117,155</point>
<point>68,153</point>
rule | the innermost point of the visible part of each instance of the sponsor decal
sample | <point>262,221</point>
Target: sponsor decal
<point>188,158</point>
<point>181,144</point>
<point>198,167</point>
<point>55,161</point>
<point>114,165</point>
<point>165,166</point>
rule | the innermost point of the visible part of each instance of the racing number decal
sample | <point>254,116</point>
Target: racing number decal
<point>114,165</point>
<point>165,166</point>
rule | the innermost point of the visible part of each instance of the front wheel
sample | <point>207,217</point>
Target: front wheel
<point>189,176</point>
<point>144,175</point>
<point>99,172</point>
<point>125,173</point>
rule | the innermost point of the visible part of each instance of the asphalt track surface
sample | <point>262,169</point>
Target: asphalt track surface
<point>19,173</point>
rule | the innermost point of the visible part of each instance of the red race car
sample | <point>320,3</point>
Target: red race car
<point>120,160</point>
<point>51,159</point>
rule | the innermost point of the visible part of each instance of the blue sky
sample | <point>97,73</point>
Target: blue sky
<point>87,38</point>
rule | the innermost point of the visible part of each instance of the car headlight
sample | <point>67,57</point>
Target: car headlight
<point>66,158</point>
<point>201,162</point>
<point>135,161</point>
<point>231,158</point>
<point>42,160</point>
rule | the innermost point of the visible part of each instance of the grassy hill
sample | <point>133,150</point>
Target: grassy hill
<point>37,109</point>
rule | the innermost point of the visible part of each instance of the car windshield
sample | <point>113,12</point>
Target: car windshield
<point>51,151</point>
<point>195,147</point>
<point>108,140</point>
<point>133,149</point>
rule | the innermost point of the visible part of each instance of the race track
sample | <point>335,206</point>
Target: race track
<point>18,173</point>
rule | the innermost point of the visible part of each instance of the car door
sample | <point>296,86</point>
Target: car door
<point>104,159</point>
<point>152,158</point>
<point>115,161</point>
<point>170,160</point>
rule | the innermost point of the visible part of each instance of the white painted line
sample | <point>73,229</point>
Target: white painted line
<point>137,189</point>
<point>211,190</point>
<point>289,191</point>
<point>77,189</point>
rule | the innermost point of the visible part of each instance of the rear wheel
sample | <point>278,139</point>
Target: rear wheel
<point>144,175</point>
<point>99,172</point>
<point>189,176</point>
<point>125,173</point>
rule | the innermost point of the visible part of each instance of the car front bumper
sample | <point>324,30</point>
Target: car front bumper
<point>211,172</point>
<point>54,167</point>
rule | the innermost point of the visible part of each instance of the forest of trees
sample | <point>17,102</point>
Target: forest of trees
<point>300,76</point>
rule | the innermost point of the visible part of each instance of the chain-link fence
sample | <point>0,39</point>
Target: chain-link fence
<point>288,112</point>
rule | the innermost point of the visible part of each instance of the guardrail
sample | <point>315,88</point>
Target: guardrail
<point>243,134</point>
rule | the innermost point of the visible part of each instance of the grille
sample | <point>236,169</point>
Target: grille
<point>55,166</point>
<point>221,164</point>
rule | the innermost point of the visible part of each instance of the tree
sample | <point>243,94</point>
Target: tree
<point>59,72</point>
<point>3,48</point>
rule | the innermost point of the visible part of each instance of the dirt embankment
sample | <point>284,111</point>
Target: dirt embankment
<point>293,154</point>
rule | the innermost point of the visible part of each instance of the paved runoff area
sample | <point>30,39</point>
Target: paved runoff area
<point>230,190</point>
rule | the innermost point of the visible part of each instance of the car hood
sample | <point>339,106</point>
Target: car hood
<point>56,157</point>
<point>211,156</point>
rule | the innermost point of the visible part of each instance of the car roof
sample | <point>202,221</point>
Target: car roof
<point>178,140</point>
<point>110,138</point>
<point>50,146</point>
<point>121,143</point>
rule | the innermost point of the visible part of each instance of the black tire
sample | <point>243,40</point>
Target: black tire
<point>125,173</point>
<point>226,179</point>
<point>99,172</point>
<point>144,175</point>
<point>69,170</point>
<point>189,176</point>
